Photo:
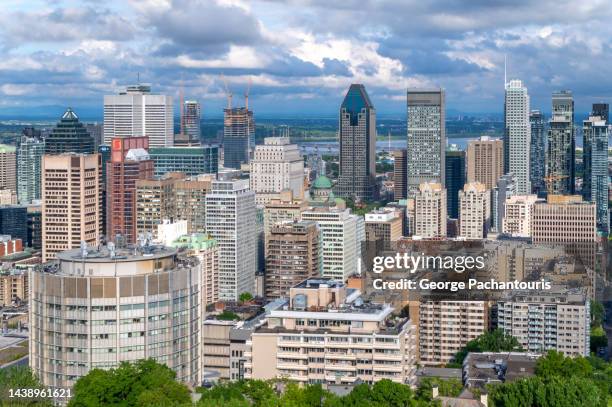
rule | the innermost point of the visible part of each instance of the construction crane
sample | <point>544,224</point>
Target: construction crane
<point>550,180</point>
<point>246,94</point>
<point>227,91</point>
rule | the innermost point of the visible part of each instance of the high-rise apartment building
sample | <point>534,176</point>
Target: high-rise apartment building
<point>341,237</point>
<point>517,136</point>
<point>14,287</point>
<point>518,213</point>
<point>560,155</point>
<point>547,320</point>
<point>8,168</point>
<point>206,250</point>
<point>429,211</point>
<point>277,165</point>
<point>446,326</point>
<point>357,136</point>
<point>400,175</point>
<point>505,188</point>
<point>601,110</point>
<point>595,179</point>
<point>129,162</point>
<point>100,306</point>
<point>136,112</point>
<point>69,136</point>
<point>29,158</point>
<point>385,224</point>
<point>174,197</point>
<point>286,208</point>
<point>189,160</point>
<point>455,180</point>
<point>426,137</point>
<point>230,220</point>
<point>292,256</point>
<point>190,122</point>
<point>485,161</point>
<point>329,335</point>
<point>238,136</point>
<point>474,211</point>
<point>538,152</point>
<point>70,202</point>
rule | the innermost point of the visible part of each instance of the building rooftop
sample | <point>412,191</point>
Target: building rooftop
<point>480,369</point>
<point>111,253</point>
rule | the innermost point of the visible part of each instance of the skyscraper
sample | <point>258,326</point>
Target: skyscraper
<point>129,162</point>
<point>595,181</point>
<point>455,179</point>
<point>191,120</point>
<point>426,137</point>
<point>14,222</point>
<point>400,177</point>
<point>230,220</point>
<point>429,211</point>
<point>517,135</point>
<point>560,170</point>
<point>474,211</point>
<point>357,134</point>
<point>70,202</point>
<point>194,160</point>
<point>69,136</point>
<point>8,168</point>
<point>485,161</point>
<point>238,136</point>
<point>29,158</point>
<point>602,110</point>
<point>136,112</point>
<point>276,165</point>
<point>538,152</point>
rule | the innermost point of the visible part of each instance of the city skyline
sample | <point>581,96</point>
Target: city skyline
<point>297,62</point>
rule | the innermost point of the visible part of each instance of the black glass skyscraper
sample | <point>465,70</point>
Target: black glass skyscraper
<point>537,160</point>
<point>455,179</point>
<point>357,172</point>
<point>601,110</point>
<point>238,136</point>
<point>69,136</point>
<point>14,222</point>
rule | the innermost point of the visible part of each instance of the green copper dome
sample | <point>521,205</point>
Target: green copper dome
<point>322,182</point>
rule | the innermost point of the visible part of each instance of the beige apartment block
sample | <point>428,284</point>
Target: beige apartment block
<point>70,202</point>
<point>285,208</point>
<point>485,161</point>
<point>328,334</point>
<point>429,211</point>
<point>13,286</point>
<point>385,224</point>
<point>474,211</point>
<point>518,214</point>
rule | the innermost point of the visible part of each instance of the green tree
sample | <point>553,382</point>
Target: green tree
<point>598,338</point>
<point>228,316</point>
<point>245,297</point>
<point>446,388</point>
<point>598,313</point>
<point>20,377</point>
<point>139,384</point>
<point>494,341</point>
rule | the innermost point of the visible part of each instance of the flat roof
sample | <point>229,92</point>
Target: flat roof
<point>102,254</point>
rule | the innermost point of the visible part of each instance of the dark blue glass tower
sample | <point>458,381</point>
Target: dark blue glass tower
<point>455,179</point>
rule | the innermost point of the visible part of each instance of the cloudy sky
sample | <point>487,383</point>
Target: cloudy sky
<point>301,55</point>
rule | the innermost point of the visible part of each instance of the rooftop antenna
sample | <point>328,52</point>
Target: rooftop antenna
<point>227,91</point>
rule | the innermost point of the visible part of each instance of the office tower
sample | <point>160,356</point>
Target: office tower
<point>340,326</point>
<point>341,237</point>
<point>230,220</point>
<point>8,168</point>
<point>70,202</point>
<point>14,222</point>
<point>547,320</point>
<point>190,122</point>
<point>518,213</point>
<point>455,180</point>
<point>174,197</point>
<point>595,180</point>
<point>560,159</point>
<point>538,152</point>
<point>485,161</point>
<point>474,211</point>
<point>567,220</point>
<point>107,305</point>
<point>517,136</point>
<point>429,211</point>
<point>206,250</point>
<point>601,110</point>
<point>14,287</point>
<point>277,165</point>
<point>129,163</point>
<point>238,136</point>
<point>292,256</point>
<point>136,112</point>
<point>286,208</point>
<point>29,157</point>
<point>34,222</point>
<point>446,326</point>
<point>105,155</point>
<point>189,160</point>
<point>95,130</point>
<point>400,176</point>
<point>69,136</point>
<point>426,138</point>
<point>357,136</point>
<point>385,224</point>
<point>506,187</point>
